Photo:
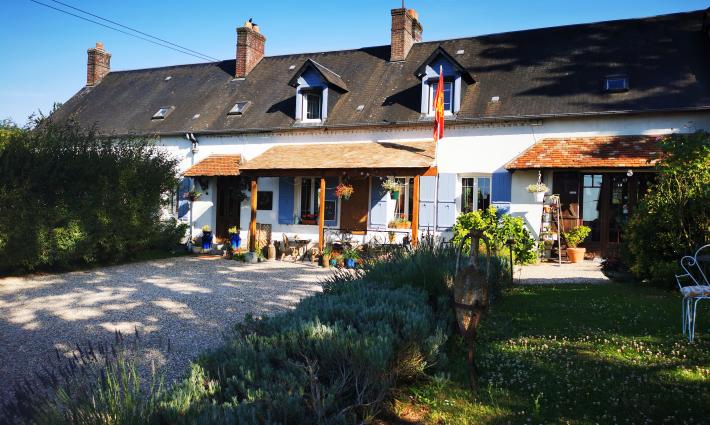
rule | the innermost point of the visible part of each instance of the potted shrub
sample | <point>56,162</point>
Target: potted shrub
<point>234,238</point>
<point>206,238</point>
<point>573,238</point>
<point>350,255</point>
<point>197,245</point>
<point>538,190</point>
<point>391,186</point>
<point>325,256</point>
<point>344,191</point>
<point>400,222</point>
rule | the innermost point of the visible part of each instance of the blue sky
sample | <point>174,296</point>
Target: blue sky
<point>44,51</point>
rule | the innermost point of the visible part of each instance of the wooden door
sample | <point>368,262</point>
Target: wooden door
<point>353,212</point>
<point>229,197</point>
<point>566,184</point>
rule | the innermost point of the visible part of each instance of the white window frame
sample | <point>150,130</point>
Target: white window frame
<point>432,93</point>
<point>407,188</point>
<point>313,200</point>
<point>460,201</point>
<point>304,104</point>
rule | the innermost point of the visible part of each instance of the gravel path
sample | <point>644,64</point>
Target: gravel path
<point>189,301</point>
<point>553,273</point>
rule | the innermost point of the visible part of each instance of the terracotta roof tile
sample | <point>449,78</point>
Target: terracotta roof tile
<point>589,152</point>
<point>216,165</point>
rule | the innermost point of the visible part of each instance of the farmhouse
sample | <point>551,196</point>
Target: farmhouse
<point>577,108</point>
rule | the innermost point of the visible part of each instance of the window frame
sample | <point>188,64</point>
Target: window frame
<point>476,187</point>
<point>312,199</point>
<point>406,196</point>
<point>305,93</point>
<point>432,92</point>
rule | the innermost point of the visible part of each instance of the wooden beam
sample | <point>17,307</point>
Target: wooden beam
<point>415,212</point>
<point>321,216</point>
<point>252,223</point>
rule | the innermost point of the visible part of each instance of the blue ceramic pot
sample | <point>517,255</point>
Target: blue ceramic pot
<point>235,240</point>
<point>206,240</point>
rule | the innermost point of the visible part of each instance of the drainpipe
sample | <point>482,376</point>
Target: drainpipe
<point>195,148</point>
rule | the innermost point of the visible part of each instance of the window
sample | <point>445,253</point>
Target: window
<point>162,112</point>
<point>403,205</point>
<point>448,96</point>
<point>265,200</point>
<point>309,207</point>
<point>475,193</point>
<point>312,105</point>
<point>238,108</point>
<point>591,189</point>
<point>616,83</point>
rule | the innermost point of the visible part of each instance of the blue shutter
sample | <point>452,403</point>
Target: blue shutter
<point>378,204</point>
<point>330,184</point>
<point>501,186</point>
<point>286,200</point>
<point>427,198</point>
<point>183,206</point>
<point>446,206</point>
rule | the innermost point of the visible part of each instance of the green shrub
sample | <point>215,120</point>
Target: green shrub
<point>673,219</point>
<point>70,197</point>
<point>576,235</point>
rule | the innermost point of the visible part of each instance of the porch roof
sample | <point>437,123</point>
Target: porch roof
<point>328,157</point>
<point>216,165</point>
<point>590,152</point>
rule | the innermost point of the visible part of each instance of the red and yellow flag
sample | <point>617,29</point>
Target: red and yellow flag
<point>439,107</point>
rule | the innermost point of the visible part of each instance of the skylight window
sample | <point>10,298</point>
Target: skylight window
<point>238,108</point>
<point>616,83</point>
<point>163,112</point>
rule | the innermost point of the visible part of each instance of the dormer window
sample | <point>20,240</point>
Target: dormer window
<point>448,96</point>
<point>312,105</point>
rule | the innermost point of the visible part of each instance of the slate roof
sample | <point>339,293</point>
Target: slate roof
<point>590,152</point>
<point>536,73</point>
<point>326,156</point>
<point>216,165</point>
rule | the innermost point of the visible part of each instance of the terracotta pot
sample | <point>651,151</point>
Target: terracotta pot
<point>576,255</point>
<point>325,260</point>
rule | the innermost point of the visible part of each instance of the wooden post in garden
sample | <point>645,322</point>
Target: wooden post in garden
<point>321,216</point>
<point>252,223</point>
<point>415,212</point>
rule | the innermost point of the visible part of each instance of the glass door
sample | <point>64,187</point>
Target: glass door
<point>591,208</point>
<point>618,206</point>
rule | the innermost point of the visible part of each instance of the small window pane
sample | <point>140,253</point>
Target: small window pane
<point>306,196</point>
<point>448,91</point>
<point>467,188</point>
<point>265,200</point>
<point>484,193</point>
<point>313,106</point>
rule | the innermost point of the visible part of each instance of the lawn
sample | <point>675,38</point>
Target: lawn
<point>574,354</point>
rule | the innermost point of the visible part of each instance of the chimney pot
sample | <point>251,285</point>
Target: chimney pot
<point>406,30</point>
<point>98,64</point>
<point>250,49</point>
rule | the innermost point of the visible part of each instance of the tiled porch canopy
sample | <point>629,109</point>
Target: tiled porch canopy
<point>332,158</point>
<point>216,165</point>
<point>589,152</point>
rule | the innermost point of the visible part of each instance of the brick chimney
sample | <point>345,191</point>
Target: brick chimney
<point>406,30</point>
<point>250,49</point>
<point>97,65</point>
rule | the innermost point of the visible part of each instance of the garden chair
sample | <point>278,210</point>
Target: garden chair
<point>288,249</point>
<point>696,269</point>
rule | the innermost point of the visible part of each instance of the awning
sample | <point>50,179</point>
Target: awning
<point>590,152</point>
<point>216,165</point>
<point>323,158</point>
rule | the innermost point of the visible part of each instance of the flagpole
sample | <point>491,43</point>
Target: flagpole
<point>436,158</point>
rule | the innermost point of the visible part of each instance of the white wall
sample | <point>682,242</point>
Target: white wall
<point>474,149</point>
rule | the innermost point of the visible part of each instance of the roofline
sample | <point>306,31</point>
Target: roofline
<point>419,123</point>
<point>580,24</point>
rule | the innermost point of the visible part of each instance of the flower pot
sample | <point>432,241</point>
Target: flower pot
<point>207,240</point>
<point>575,255</point>
<point>196,249</point>
<point>325,260</point>
<point>394,194</point>
<point>539,196</point>
<point>333,262</point>
<point>350,263</point>
<point>235,240</point>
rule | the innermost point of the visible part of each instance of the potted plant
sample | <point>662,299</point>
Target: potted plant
<point>344,191</point>
<point>206,238</point>
<point>400,222</point>
<point>573,238</point>
<point>193,195</point>
<point>234,238</point>
<point>325,256</point>
<point>350,255</point>
<point>391,186</point>
<point>392,236</point>
<point>197,245</point>
<point>538,190</point>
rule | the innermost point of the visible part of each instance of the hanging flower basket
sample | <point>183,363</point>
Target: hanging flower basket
<point>192,195</point>
<point>344,191</point>
<point>392,187</point>
<point>538,191</point>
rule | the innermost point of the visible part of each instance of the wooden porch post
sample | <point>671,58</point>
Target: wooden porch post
<point>252,223</point>
<point>415,212</point>
<point>321,215</point>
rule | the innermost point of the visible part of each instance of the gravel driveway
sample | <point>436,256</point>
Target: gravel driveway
<point>187,300</point>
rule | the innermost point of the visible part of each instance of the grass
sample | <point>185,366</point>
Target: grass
<point>574,354</point>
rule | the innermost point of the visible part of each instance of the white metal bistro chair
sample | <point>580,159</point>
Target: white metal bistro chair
<point>696,269</point>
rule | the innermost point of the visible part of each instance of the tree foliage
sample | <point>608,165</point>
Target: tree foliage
<point>70,197</point>
<point>673,218</point>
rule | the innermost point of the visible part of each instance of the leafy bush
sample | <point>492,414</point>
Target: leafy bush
<point>498,230</point>
<point>576,235</point>
<point>673,219</point>
<point>70,197</point>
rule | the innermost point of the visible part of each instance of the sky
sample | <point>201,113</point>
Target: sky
<point>44,51</point>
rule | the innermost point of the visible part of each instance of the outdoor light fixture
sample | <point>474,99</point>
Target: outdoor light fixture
<point>191,138</point>
<point>630,173</point>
